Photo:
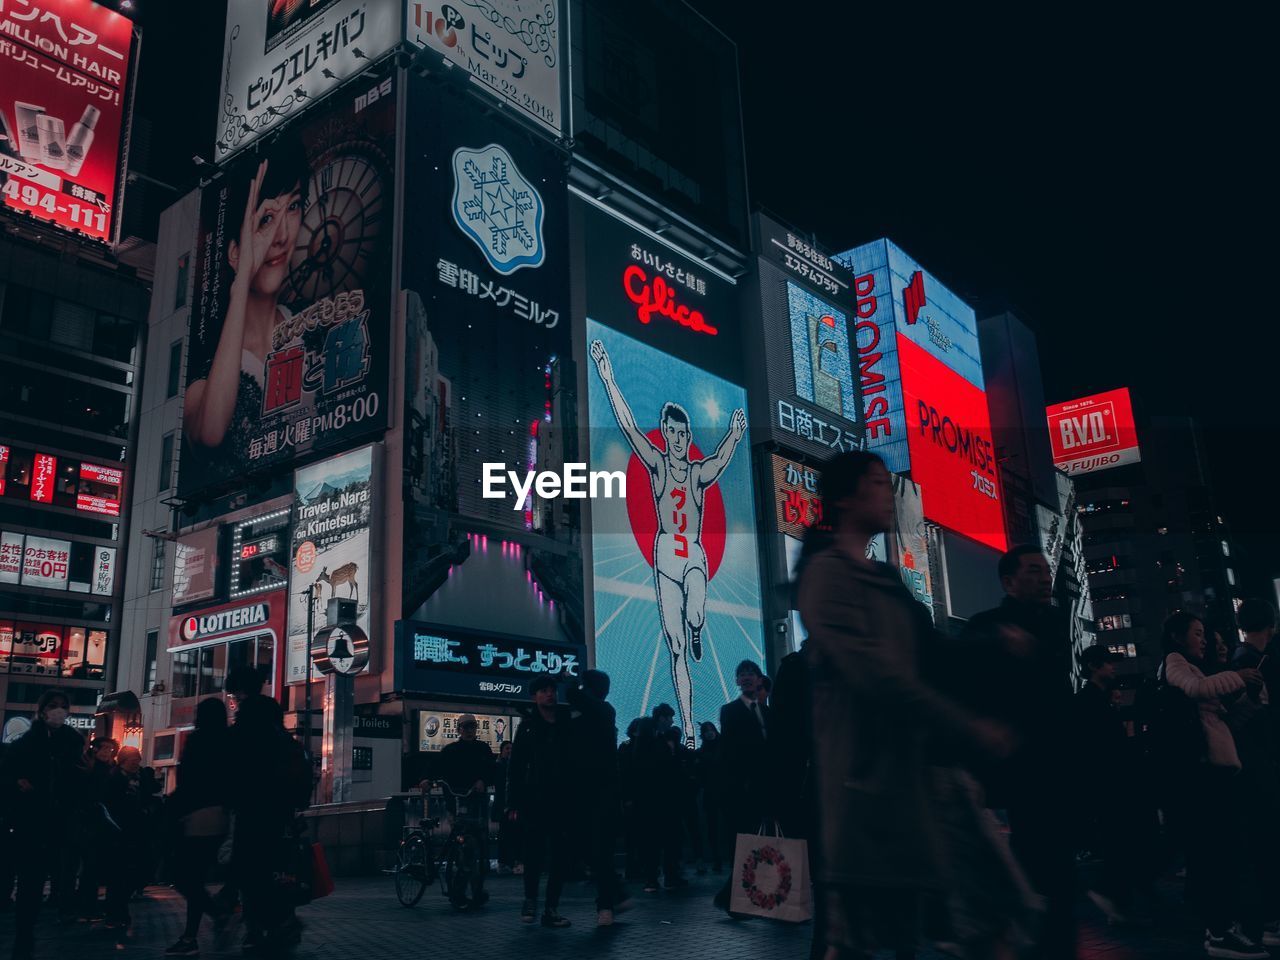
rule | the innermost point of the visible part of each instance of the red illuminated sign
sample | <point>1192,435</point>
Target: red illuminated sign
<point>64,70</point>
<point>1093,433</point>
<point>91,471</point>
<point>4,466</point>
<point>870,359</point>
<point>42,477</point>
<point>660,297</point>
<point>106,498</point>
<point>913,298</point>
<point>952,455</point>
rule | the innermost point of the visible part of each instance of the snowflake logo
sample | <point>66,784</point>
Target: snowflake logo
<point>498,208</point>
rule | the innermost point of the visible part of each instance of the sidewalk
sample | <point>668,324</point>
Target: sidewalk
<point>363,919</point>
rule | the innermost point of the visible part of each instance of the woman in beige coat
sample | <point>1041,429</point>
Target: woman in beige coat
<point>878,852</point>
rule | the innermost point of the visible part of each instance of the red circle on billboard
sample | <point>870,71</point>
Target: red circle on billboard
<point>644,517</point>
<point>190,628</point>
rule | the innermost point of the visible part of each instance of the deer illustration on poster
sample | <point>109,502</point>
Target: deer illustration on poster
<point>343,574</point>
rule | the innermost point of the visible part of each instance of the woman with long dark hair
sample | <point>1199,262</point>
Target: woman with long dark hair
<point>1208,779</point>
<point>200,804</point>
<point>878,851</point>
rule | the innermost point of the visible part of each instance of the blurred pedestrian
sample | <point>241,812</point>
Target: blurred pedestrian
<point>200,805</point>
<point>630,787</point>
<point>544,794</point>
<point>1211,781</point>
<point>43,782</point>
<point>597,740</point>
<point>660,773</point>
<point>747,775</point>
<point>710,794</point>
<point>508,846</point>
<point>872,718</point>
<point>125,856</point>
<point>97,833</point>
<point>1025,684</point>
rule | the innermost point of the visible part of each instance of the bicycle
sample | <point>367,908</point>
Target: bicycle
<point>443,847</point>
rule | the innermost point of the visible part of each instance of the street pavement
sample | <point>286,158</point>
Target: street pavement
<point>363,919</point>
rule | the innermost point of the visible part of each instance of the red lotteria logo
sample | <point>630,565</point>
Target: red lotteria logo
<point>913,297</point>
<point>190,628</point>
<point>660,298</point>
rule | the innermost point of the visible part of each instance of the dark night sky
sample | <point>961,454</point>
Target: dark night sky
<point>1104,174</point>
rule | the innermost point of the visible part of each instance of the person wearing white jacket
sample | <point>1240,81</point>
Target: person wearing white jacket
<point>1213,861</point>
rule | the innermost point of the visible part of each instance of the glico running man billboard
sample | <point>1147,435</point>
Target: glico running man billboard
<point>675,567</point>
<point>287,351</point>
<point>489,374</point>
<point>64,105</point>
<point>923,392</point>
<point>1093,433</point>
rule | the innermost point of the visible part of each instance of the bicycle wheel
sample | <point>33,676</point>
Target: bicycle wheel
<point>411,870</point>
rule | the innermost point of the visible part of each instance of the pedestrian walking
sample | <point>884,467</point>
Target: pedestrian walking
<point>707,769</point>
<point>467,766</point>
<point>748,778</point>
<point>1025,684</point>
<point>508,846</point>
<point>199,805</point>
<point>544,794</point>
<point>602,792</point>
<point>873,717</point>
<point>630,786</point>
<point>126,854</point>
<point>660,773</point>
<point>44,780</point>
<point>1210,778</point>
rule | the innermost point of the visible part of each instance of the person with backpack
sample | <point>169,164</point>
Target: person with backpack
<point>264,779</point>
<point>1206,777</point>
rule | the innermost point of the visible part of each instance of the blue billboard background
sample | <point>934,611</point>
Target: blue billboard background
<point>630,644</point>
<point>824,356</point>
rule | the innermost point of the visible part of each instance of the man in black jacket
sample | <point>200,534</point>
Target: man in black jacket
<point>544,790</point>
<point>1026,645</point>
<point>744,743</point>
<point>467,765</point>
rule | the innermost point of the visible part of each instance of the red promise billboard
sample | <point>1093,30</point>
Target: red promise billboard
<point>1093,433</point>
<point>952,455</point>
<point>64,74</point>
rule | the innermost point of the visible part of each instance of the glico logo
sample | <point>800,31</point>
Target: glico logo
<point>660,298</point>
<point>955,437</point>
<point>444,24</point>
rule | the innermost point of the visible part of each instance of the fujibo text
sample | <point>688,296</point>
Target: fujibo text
<point>575,482</point>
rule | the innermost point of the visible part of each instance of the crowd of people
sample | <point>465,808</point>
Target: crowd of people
<point>961,790</point>
<point>88,819</point>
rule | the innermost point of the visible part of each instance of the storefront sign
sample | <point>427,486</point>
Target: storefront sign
<point>43,468</point>
<point>797,503</point>
<point>260,554</point>
<point>195,568</point>
<point>437,730</point>
<point>4,466</point>
<point>263,614</point>
<point>46,563</point>
<point>99,490</point>
<point>64,73</point>
<point>10,556</point>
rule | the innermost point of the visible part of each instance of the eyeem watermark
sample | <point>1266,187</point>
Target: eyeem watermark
<point>574,483</point>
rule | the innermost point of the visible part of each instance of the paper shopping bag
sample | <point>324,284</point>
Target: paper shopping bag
<point>771,878</point>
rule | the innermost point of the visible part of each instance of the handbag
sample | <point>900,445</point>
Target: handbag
<point>322,878</point>
<point>771,877</point>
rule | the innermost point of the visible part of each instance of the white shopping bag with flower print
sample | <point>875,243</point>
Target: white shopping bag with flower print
<point>771,878</point>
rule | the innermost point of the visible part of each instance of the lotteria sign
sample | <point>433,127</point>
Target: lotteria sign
<point>264,614</point>
<point>1093,433</point>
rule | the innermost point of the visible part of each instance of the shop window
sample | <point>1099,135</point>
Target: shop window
<point>163,748</point>
<point>153,645</point>
<point>213,670</point>
<point>186,675</point>
<point>6,645</point>
<point>37,649</point>
<point>157,565</point>
<point>175,369</point>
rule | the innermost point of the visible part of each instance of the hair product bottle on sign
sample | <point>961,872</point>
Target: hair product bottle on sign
<point>81,138</point>
<point>53,141</point>
<point>27,116</point>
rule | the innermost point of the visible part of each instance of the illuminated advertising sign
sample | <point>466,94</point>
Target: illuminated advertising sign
<point>489,373</point>
<point>37,649</point>
<point>99,490</point>
<point>281,56</point>
<point>442,660</point>
<point>333,504</point>
<point>46,563</point>
<point>896,299</point>
<point>910,537</point>
<point>1094,433</point>
<point>288,344</point>
<point>437,730</point>
<point>260,554</point>
<point>797,503</point>
<point>258,616</point>
<point>4,466</point>
<point>195,567</point>
<point>10,556</point>
<point>820,351</point>
<point>511,48</point>
<point>43,469</point>
<point>676,578</point>
<point>64,76</point>
<point>952,455</point>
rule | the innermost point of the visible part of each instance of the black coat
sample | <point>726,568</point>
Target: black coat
<point>52,761</point>
<point>544,766</point>
<point>747,774</point>
<point>463,762</point>
<point>597,734</point>
<point>204,772</point>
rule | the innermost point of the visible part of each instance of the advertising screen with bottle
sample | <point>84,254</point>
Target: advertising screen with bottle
<point>64,98</point>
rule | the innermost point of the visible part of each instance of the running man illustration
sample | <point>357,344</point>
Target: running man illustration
<point>679,488</point>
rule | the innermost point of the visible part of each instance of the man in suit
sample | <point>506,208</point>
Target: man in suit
<point>747,776</point>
